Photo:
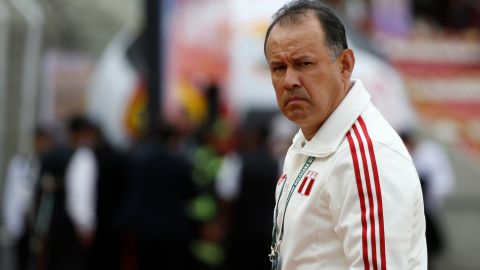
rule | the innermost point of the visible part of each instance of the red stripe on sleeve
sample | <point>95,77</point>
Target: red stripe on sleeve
<point>379,193</point>
<point>370,197</point>
<point>361,196</point>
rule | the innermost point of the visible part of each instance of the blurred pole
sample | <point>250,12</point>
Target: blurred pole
<point>34,17</point>
<point>154,73</point>
<point>4,32</point>
<point>213,100</point>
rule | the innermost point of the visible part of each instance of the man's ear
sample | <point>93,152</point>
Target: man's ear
<point>347,62</point>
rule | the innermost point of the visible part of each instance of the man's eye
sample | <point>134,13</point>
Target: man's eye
<point>305,64</point>
<point>278,68</point>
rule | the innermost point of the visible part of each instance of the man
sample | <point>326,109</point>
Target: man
<point>160,187</point>
<point>95,185</point>
<point>244,185</point>
<point>20,180</point>
<point>349,196</point>
<point>53,237</point>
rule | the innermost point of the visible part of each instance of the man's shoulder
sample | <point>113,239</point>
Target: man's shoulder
<point>372,130</point>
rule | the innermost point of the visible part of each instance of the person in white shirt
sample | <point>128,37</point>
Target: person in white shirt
<point>80,186</point>
<point>81,179</point>
<point>95,185</point>
<point>349,196</point>
<point>19,195</point>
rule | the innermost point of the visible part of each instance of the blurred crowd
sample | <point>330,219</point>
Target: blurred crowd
<point>175,200</point>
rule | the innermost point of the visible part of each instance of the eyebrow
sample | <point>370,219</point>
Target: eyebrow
<point>294,59</point>
<point>302,58</point>
<point>275,62</point>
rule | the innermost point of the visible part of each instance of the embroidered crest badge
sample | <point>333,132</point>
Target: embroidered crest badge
<point>307,183</point>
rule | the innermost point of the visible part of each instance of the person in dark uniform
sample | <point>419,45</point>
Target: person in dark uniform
<point>160,186</point>
<point>250,206</point>
<point>105,250</point>
<point>53,239</point>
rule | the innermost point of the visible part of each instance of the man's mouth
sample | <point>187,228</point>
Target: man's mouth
<point>293,100</point>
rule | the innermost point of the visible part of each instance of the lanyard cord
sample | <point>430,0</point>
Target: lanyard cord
<point>299,177</point>
<point>275,218</point>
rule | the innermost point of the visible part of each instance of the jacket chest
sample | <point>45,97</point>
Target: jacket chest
<point>302,179</point>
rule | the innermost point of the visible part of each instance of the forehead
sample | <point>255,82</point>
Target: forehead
<point>302,34</point>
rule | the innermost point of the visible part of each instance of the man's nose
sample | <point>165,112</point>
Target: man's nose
<point>291,80</point>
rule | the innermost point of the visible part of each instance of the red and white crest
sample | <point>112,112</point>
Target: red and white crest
<point>307,183</point>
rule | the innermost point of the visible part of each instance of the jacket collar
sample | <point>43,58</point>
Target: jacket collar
<point>332,132</point>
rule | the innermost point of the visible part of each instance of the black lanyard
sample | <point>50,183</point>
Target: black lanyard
<point>275,243</point>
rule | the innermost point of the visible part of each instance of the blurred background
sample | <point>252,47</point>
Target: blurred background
<point>144,134</point>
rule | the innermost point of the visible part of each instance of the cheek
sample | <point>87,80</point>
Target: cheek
<point>277,88</point>
<point>276,82</point>
<point>320,97</point>
<point>278,95</point>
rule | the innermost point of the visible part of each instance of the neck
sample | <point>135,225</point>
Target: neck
<point>349,86</point>
<point>308,133</point>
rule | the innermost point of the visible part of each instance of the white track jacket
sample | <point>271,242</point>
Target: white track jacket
<point>359,205</point>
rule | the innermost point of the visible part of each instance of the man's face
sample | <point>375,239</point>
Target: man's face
<point>308,83</point>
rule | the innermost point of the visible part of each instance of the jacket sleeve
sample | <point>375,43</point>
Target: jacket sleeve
<point>377,208</point>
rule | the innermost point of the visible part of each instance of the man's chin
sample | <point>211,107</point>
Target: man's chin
<point>296,117</point>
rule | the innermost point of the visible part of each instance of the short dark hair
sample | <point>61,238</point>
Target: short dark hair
<point>291,13</point>
<point>79,123</point>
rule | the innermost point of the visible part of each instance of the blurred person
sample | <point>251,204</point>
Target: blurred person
<point>438,181</point>
<point>160,187</point>
<point>20,181</point>
<point>349,196</point>
<point>81,179</point>
<point>53,235</point>
<point>245,183</point>
<point>213,141</point>
<point>96,180</point>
